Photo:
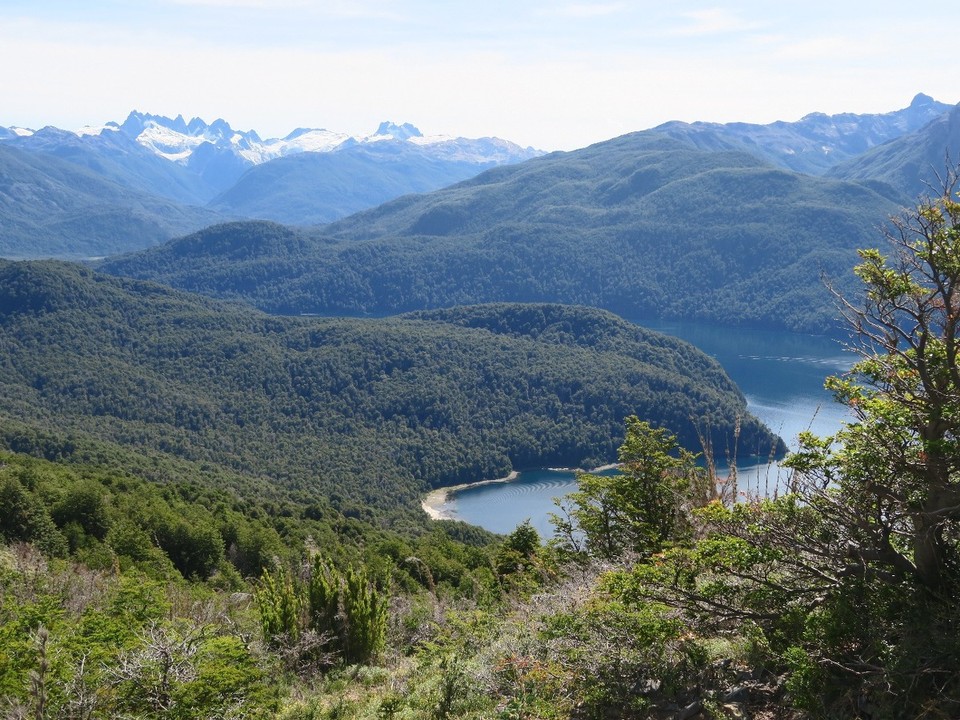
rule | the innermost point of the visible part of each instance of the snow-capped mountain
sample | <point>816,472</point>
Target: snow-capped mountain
<point>201,164</point>
<point>177,140</point>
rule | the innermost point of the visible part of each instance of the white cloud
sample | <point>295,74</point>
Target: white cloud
<point>353,9</point>
<point>714,21</point>
<point>275,4</point>
<point>587,10</point>
<point>829,48</point>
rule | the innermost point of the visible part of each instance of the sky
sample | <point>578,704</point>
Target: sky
<point>555,75</point>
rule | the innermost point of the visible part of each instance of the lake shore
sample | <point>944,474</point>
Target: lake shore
<point>434,501</point>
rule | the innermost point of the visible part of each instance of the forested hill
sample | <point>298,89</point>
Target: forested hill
<point>363,412</point>
<point>643,225</point>
<point>582,327</point>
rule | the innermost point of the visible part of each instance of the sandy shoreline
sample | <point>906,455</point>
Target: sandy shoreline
<point>434,501</point>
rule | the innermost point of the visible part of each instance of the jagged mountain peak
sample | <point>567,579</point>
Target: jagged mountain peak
<point>397,132</point>
<point>134,123</point>
<point>817,141</point>
<point>179,124</point>
<point>197,126</point>
<point>137,122</point>
<point>178,140</point>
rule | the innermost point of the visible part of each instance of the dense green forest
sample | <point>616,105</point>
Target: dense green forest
<point>152,569</point>
<point>366,413</point>
<point>642,225</point>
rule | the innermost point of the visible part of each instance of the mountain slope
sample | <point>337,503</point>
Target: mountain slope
<point>50,206</point>
<point>120,159</point>
<point>816,142</point>
<point>313,176</point>
<point>314,187</point>
<point>913,164</point>
<point>643,225</point>
<point>321,175</point>
<point>365,412</point>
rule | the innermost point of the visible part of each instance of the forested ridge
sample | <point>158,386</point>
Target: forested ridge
<point>366,412</point>
<point>643,225</point>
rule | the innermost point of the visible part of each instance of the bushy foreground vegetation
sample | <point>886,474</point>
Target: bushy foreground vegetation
<point>106,621</point>
<point>122,598</point>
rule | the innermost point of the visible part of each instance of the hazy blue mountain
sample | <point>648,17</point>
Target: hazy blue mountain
<point>120,159</point>
<point>643,225</point>
<point>314,187</point>
<point>816,142</point>
<point>322,175</point>
<point>913,164</point>
<point>50,206</point>
<point>215,155</point>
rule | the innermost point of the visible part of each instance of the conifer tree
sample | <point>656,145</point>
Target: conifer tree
<point>279,603</point>
<point>323,600</point>
<point>365,609</point>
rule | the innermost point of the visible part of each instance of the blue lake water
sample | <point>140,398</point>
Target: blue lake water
<point>780,373</point>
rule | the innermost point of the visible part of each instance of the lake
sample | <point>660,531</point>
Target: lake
<point>780,373</point>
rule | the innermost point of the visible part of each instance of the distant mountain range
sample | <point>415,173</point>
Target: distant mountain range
<point>816,142</point>
<point>218,155</point>
<point>699,221</point>
<point>319,176</point>
<point>651,224</point>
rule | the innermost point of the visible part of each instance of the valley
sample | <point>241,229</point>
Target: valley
<point>231,369</point>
